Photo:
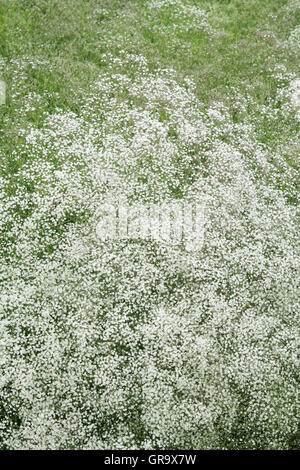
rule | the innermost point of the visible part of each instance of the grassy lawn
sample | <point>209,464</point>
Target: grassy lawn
<point>136,343</point>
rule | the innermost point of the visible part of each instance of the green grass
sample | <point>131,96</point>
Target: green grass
<point>248,42</point>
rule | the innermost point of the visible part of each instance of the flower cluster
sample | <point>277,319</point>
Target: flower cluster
<point>129,344</point>
<point>294,37</point>
<point>182,16</point>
